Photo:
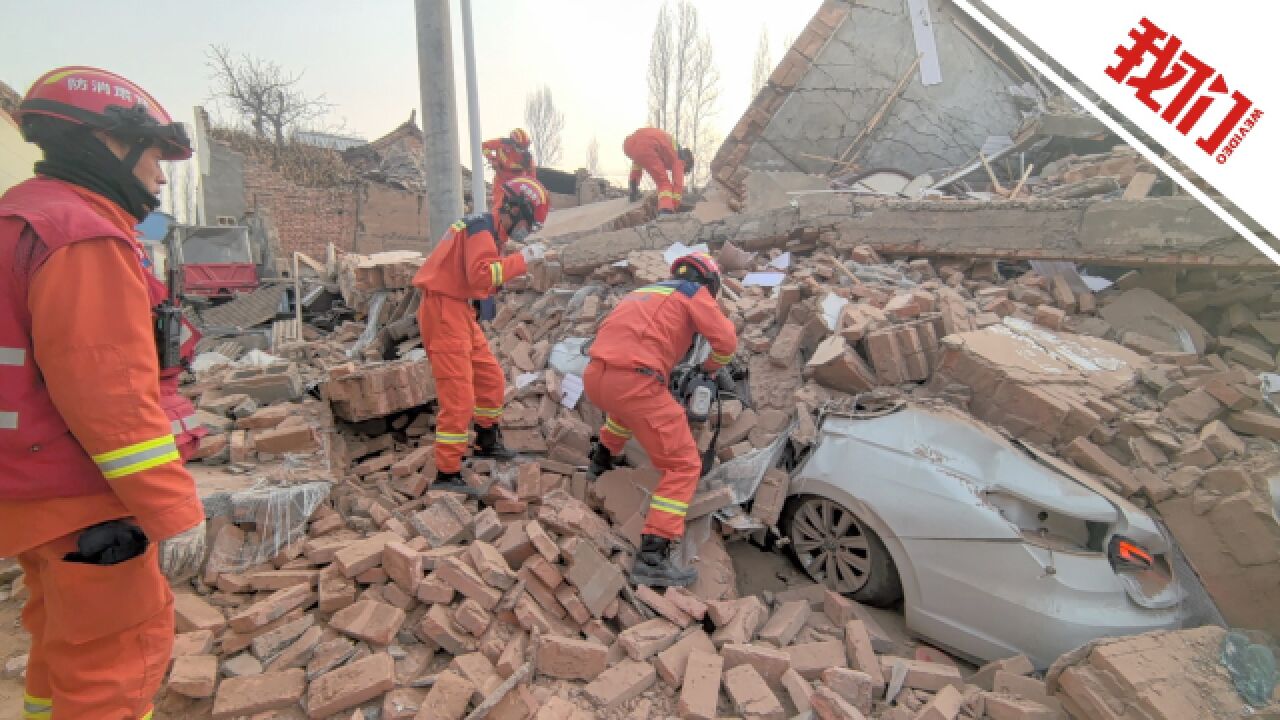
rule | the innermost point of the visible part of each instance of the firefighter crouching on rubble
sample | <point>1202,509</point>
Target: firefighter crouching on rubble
<point>94,500</point>
<point>458,281</point>
<point>654,151</point>
<point>510,159</point>
<point>632,355</point>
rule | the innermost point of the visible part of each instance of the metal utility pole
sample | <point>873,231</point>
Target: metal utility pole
<point>478,199</point>
<point>439,117</point>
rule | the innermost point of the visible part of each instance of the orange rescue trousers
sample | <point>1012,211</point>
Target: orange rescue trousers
<point>469,381</point>
<point>641,406</point>
<point>668,200</point>
<point>101,635</point>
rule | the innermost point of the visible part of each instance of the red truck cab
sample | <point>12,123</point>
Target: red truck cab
<point>216,262</point>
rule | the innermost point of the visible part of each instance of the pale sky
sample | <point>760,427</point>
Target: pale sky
<point>362,55</point>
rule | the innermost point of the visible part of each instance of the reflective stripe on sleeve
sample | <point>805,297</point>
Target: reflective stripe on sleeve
<point>444,438</point>
<point>137,457</point>
<point>722,359</point>
<point>496,273</point>
<point>488,412</point>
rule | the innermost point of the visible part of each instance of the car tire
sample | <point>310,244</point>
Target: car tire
<point>826,540</point>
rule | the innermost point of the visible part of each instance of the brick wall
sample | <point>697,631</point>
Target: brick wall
<point>308,219</point>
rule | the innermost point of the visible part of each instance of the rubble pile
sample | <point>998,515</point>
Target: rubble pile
<point>1158,675</point>
<point>347,585</point>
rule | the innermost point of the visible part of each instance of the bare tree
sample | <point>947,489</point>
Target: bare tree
<point>703,96</point>
<point>593,157</point>
<point>545,124</point>
<point>763,66</point>
<point>660,53</point>
<point>262,95</point>
<point>685,39</point>
<point>684,85</point>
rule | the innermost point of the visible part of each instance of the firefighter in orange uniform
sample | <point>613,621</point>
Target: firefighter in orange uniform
<point>654,151</point>
<point>458,281</point>
<point>634,351</point>
<point>94,500</point>
<point>510,158</point>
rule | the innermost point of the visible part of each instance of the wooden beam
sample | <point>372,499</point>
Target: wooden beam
<point>849,156</point>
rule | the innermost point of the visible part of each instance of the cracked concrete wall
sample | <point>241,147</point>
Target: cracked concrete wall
<point>925,129</point>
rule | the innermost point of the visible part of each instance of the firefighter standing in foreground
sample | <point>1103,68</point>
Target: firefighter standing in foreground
<point>94,500</point>
<point>634,351</point>
<point>654,151</point>
<point>510,158</point>
<point>465,269</point>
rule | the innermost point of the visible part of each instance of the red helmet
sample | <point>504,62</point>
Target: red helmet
<point>103,101</point>
<point>530,199</point>
<point>698,267</point>
<point>521,138</point>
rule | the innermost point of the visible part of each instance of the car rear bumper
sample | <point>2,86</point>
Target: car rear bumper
<point>993,599</point>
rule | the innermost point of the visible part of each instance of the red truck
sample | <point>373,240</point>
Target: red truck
<point>216,261</point>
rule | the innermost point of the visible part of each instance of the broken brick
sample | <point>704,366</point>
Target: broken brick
<point>648,638</point>
<point>374,622</point>
<point>701,689</point>
<point>351,685</point>
<point>620,683</point>
<point>570,659</point>
<point>750,695</point>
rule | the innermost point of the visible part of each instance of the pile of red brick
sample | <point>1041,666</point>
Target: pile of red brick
<point>421,604</point>
<point>1158,675</point>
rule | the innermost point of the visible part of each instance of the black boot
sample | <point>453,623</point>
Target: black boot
<point>452,482</point>
<point>601,460</point>
<point>654,566</point>
<point>489,444</point>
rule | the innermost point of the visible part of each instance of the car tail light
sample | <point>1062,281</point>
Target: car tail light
<point>1125,553</point>
<point>1147,577</point>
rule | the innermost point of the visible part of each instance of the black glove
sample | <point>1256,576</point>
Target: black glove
<point>635,192</point>
<point>108,543</point>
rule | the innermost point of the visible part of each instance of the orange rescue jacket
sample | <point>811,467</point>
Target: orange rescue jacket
<point>648,143</point>
<point>466,264</point>
<point>86,438</point>
<point>653,327</point>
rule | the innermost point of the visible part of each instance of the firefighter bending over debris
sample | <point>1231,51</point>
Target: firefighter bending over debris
<point>94,500</point>
<point>510,158</point>
<point>458,281</point>
<point>634,351</point>
<point>654,151</point>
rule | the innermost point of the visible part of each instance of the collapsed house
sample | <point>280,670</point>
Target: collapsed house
<point>1056,291</point>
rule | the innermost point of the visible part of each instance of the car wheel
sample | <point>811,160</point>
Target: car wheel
<point>837,549</point>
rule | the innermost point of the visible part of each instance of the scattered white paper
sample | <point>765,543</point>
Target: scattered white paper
<point>524,379</point>
<point>764,279</point>
<point>622,264</point>
<point>782,262</point>
<point>570,390</point>
<point>679,250</point>
<point>832,305</point>
<point>1096,284</point>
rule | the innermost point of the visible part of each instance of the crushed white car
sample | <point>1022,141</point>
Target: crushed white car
<point>993,548</point>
